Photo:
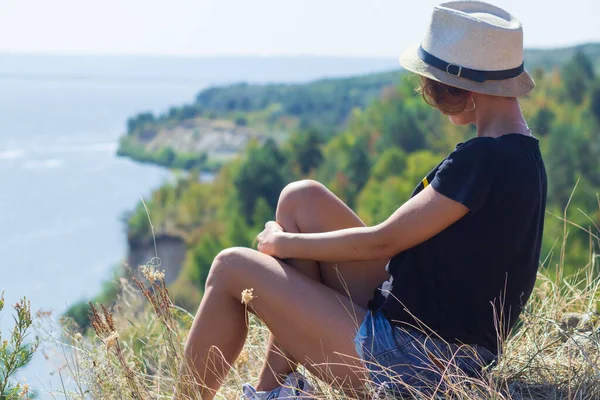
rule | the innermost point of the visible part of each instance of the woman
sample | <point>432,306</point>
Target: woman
<point>461,254</point>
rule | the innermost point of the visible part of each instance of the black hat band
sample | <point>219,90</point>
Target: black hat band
<point>467,73</point>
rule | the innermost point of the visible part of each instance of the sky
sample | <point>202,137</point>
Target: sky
<point>378,28</point>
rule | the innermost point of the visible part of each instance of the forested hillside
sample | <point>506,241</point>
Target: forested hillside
<point>209,132</point>
<point>220,123</point>
<point>373,164</point>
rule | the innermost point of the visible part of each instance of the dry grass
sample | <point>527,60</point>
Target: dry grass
<point>136,351</point>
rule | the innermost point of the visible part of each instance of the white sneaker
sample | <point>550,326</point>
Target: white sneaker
<point>294,387</point>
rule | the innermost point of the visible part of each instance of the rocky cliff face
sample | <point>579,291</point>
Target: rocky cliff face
<point>171,252</point>
<point>219,139</point>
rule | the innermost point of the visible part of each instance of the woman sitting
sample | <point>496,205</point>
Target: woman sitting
<point>446,275</point>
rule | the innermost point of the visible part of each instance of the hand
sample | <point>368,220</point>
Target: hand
<point>268,239</point>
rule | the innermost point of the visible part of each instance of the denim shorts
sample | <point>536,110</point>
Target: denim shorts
<point>407,362</point>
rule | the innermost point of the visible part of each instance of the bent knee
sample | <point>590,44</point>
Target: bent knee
<point>300,192</point>
<point>227,264</point>
<point>227,260</point>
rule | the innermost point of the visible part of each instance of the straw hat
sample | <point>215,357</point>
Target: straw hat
<point>474,46</point>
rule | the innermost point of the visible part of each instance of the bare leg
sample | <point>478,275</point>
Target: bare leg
<point>309,207</point>
<point>314,323</point>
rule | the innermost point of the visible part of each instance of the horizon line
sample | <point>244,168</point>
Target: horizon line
<point>253,55</point>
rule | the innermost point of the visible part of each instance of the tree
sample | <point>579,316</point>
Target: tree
<point>139,121</point>
<point>401,129</point>
<point>589,159</point>
<point>577,75</point>
<point>238,231</point>
<point>358,168</point>
<point>542,121</point>
<point>241,121</point>
<point>189,111</point>
<point>391,162</point>
<point>166,156</point>
<point>200,258</point>
<point>562,161</point>
<point>261,174</point>
<point>585,65</point>
<point>595,102</point>
<point>262,214</point>
<point>189,161</point>
<point>305,150</point>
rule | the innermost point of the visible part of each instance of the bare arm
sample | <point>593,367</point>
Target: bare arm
<point>417,220</point>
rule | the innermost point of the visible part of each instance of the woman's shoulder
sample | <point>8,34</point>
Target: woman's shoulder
<point>504,145</point>
<point>506,139</point>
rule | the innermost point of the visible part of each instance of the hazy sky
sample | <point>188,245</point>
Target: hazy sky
<point>261,27</point>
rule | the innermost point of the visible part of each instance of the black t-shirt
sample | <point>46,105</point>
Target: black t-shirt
<point>476,275</point>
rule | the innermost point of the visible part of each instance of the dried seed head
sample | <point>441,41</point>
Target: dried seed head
<point>111,340</point>
<point>24,390</point>
<point>247,295</point>
<point>108,317</point>
<point>43,313</point>
<point>152,274</point>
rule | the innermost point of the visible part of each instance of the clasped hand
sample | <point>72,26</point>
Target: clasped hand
<point>269,240</point>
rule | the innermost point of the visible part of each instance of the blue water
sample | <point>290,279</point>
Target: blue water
<point>62,189</point>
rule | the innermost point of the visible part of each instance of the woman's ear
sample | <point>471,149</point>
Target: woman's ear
<point>471,104</point>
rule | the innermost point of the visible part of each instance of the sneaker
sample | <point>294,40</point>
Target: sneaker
<point>294,387</point>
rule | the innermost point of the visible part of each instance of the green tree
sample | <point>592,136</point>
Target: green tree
<point>358,168</point>
<point>262,214</point>
<point>305,150</point>
<point>189,111</point>
<point>595,102</point>
<point>166,156</point>
<point>379,199</point>
<point>238,232</point>
<point>400,128</point>
<point>241,121</point>
<point>191,161</point>
<point>200,258</point>
<point>139,121</point>
<point>261,174</point>
<point>577,75</point>
<point>562,161</point>
<point>589,157</point>
<point>391,162</point>
<point>541,123</point>
<point>584,64</point>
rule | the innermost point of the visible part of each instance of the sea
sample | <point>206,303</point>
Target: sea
<point>63,190</point>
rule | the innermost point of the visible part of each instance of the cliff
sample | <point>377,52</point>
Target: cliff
<point>191,143</point>
<point>171,251</point>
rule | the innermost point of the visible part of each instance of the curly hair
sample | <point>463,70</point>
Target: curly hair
<point>448,99</point>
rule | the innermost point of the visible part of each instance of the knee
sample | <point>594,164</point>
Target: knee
<point>300,193</point>
<point>226,266</point>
